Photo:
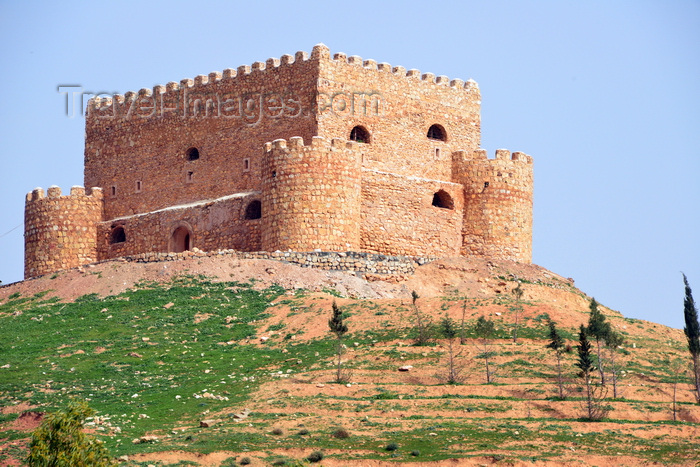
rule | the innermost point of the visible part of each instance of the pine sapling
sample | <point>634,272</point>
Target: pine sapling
<point>485,330</point>
<point>598,328</point>
<point>449,331</point>
<point>517,309</point>
<point>339,328</point>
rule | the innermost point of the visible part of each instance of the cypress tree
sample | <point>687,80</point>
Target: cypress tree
<point>692,333</point>
<point>339,328</point>
<point>598,328</point>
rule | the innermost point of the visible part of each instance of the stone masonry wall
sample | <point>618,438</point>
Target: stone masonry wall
<point>311,195</point>
<point>60,232</point>
<point>398,217</point>
<point>212,225</point>
<point>180,165</point>
<point>137,145</point>
<point>397,107</point>
<point>497,205</point>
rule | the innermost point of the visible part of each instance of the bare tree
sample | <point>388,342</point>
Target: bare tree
<point>613,340</point>
<point>678,371</point>
<point>556,343</point>
<point>449,330</point>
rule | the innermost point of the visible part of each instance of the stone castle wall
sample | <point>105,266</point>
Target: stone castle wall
<point>397,107</point>
<point>137,145</point>
<point>399,218</point>
<point>498,204</point>
<point>60,231</point>
<point>311,195</point>
<point>212,225</point>
<point>259,158</point>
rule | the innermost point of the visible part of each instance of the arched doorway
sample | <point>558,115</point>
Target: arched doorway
<point>181,239</point>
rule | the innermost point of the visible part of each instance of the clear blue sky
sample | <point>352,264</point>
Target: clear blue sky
<point>605,95</point>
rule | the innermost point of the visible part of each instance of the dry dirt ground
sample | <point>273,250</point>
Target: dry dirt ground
<point>442,286</point>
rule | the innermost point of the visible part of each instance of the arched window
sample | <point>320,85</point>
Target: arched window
<point>253,210</point>
<point>117,235</point>
<point>359,134</point>
<point>192,154</point>
<point>442,199</point>
<point>437,132</point>
<point>181,240</point>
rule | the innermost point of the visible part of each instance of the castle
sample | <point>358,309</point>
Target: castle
<point>300,153</point>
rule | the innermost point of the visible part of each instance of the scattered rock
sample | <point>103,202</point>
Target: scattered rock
<point>405,368</point>
<point>145,439</point>
<point>241,415</point>
<point>134,354</point>
<point>207,423</point>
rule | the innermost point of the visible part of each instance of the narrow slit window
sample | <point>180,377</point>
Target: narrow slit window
<point>246,165</point>
<point>190,177</point>
<point>113,190</point>
<point>138,186</point>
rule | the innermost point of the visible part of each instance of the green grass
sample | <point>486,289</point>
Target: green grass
<point>140,359</point>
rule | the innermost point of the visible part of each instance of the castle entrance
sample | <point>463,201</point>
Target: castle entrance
<point>181,240</point>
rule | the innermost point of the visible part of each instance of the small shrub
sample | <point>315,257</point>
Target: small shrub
<point>341,433</point>
<point>303,432</point>
<point>279,462</point>
<point>415,453</point>
<point>245,461</point>
<point>60,440</point>
<point>315,456</point>
<point>277,431</point>
<point>391,447</point>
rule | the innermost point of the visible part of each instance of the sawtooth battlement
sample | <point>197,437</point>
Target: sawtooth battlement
<point>301,153</point>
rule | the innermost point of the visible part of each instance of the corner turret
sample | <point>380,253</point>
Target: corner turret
<point>311,195</point>
<point>60,232</point>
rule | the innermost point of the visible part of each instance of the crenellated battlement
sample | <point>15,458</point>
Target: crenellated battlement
<point>53,192</point>
<point>399,71</point>
<point>296,143</point>
<point>202,83</point>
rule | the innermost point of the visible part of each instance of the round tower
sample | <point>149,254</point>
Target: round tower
<point>60,232</point>
<point>497,205</point>
<point>311,195</point>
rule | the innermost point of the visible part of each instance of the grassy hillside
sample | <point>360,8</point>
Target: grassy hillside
<point>158,359</point>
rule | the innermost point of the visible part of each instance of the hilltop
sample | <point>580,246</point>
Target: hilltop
<point>158,348</point>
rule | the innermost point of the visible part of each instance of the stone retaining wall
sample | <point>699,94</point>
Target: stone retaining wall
<point>336,261</point>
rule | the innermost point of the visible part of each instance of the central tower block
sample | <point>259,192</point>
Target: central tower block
<point>311,195</point>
